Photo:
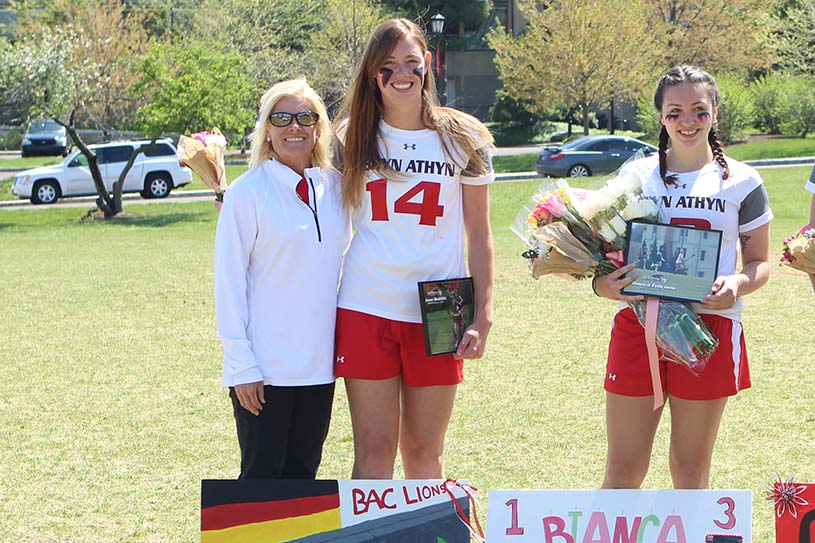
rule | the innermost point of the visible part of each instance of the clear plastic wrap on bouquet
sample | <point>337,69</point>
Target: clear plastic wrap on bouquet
<point>682,337</point>
<point>586,226</point>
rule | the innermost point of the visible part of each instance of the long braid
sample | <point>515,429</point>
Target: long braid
<point>718,153</point>
<point>663,156</point>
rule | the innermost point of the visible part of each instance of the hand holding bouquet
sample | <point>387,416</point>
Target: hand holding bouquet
<point>582,233</point>
<point>799,250</point>
<point>203,152</point>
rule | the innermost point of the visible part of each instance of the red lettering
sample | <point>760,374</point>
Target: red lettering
<point>689,221</point>
<point>428,209</point>
<point>358,497</point>
<point>730,519</point>
<point>621,532</point>
<point>408,500</point>
<point>555,527</point>
<point>362,503</point>
<point>514,529</point>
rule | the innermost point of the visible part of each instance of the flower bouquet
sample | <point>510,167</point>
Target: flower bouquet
<point>586,226</point>
<point>799,250</point>
<point>583,233</point>
<point>203,152</point>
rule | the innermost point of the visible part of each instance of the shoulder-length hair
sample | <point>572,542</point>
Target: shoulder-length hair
<point>362,108</point>
<point>262,150</point>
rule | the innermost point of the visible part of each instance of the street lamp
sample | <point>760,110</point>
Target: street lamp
<point>440,68</point>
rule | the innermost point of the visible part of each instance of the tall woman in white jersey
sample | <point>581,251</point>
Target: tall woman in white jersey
<point>416,176</point>
<point>694,184</point>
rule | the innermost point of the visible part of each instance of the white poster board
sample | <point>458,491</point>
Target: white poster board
<point>365,500</point>
<point>619,516</point>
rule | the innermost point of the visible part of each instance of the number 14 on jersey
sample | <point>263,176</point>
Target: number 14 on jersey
<point>421,199</point>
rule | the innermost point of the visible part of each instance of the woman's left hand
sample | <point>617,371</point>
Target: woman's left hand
<point>724,293</point>
<point>473,342</point>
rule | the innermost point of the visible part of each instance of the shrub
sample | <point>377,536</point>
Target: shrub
<point>12,139</point>
<point>770,97</point>
<point>735,109</point>
<point>647,117</point>
<point>799,114</point>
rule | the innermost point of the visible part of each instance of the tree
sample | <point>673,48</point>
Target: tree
<point>721,35</point>
<point>793,38</point>
<point>194,87</point>
<point>578,54</point>
<point>72,59</point>
<point>110,37</point>
<point>42,73</point>
<point>335,51</point>
<point>320,40</point>
<point>460,16</point>
<point>271,36</point>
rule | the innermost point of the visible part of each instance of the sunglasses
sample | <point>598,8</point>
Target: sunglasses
<point>304,118</point>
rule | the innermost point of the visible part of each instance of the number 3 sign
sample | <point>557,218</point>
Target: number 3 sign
<point>626,516</point>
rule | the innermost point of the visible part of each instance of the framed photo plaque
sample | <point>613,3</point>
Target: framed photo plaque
<point>672,261</point>
<point>448,308</point>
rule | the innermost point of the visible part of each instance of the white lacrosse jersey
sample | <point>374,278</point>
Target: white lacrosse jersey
<point>702,199</point>
<point>810,186</point>
<point>410,225</point>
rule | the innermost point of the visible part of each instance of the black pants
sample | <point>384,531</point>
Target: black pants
<point>286,440</point>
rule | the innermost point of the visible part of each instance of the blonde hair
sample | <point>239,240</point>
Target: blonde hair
<point>262,150</point>
<point>363,107</point>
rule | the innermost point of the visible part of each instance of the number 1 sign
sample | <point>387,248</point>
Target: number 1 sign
<point>619,516</point>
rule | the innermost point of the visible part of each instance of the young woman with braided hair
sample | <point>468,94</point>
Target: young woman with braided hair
<point>695,185</point>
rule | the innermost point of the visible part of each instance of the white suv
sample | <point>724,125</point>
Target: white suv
<point>154,173</point>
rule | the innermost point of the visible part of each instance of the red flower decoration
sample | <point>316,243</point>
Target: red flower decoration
<point>786,496</point>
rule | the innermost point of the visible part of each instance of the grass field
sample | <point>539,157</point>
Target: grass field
<point>111,410</point>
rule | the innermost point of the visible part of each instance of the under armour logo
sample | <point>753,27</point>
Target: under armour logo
<point>340,360</point>
<point>682,186</point>
<point>411,146</point>
<point>612,376</point>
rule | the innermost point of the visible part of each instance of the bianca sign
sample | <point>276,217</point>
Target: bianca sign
<point>619,516</point>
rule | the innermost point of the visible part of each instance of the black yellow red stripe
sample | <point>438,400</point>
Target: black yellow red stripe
<point>228,515</point>
<point>276,531</point>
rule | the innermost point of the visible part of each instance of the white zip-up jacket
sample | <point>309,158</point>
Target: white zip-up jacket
<point>277,266</point>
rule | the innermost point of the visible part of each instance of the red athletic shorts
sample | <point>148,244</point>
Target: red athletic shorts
<point>370,347</point>
<point>628,373</point>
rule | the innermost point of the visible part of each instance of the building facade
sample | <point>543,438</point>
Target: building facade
<point>472,78</point>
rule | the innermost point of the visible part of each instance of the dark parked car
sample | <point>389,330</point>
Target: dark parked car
<point>591,155</point>
<point>45,137</point>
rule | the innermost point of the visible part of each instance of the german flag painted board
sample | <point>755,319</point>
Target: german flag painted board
<point>278,511</point>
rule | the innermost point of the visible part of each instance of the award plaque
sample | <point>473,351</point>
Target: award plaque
<point>447,310</point>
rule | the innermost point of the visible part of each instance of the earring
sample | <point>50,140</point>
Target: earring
<point>269,138</point>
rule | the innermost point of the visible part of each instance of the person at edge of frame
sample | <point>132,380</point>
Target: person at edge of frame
<point>810,186</point>
<point>279,244</point>
<point>693,167</point>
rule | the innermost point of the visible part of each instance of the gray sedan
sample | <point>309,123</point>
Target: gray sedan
<point>590,155</point>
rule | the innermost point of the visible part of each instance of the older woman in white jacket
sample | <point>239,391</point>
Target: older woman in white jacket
<point>279,244</point>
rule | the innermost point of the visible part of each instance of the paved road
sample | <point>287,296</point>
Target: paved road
<point>203,195</point>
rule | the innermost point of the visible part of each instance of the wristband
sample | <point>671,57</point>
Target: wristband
<point>594,285</point>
